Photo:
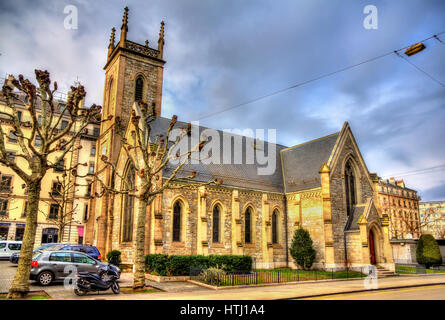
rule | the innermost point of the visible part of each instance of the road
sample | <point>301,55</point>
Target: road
<point>436,292</point>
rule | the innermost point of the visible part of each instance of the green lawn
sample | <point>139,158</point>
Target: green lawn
<point>263,276</point>
<point>412,270</point>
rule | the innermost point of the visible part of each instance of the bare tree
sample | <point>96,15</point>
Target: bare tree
<point>62,199</point>
<point>148,157</point>
<point>54,141</point>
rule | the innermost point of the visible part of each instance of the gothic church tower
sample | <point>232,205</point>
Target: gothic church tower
<point>133,72</point>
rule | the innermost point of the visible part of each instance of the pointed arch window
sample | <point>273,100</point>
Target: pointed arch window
<point>216,223</point>
<point>139,88</point>
<point>177,211</point>
<point>275,227</point>
<point>248,225</point>
<point>128,214</point>
<point>351,199</point>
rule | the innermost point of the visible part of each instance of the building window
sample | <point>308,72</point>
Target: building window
<point>85,213</point>
<point>38,141</point>
<point>25,209</point>
<point>6,184</point>
<point>127,226</point>
<point>96,132</point>
<point>3,235</point>
<point>19,115</point>
<point>93,150</point>
<point>216,223</point>
<point>61,107</point>
<point>91,168</point>
<point>63,124</point>
<point>19,231</point>
<point>139,89</point>
<point>3,207</point>
<point>12,137</point>
<point>49,235</point>
<point>89,187</point>
<point>11,156</point>
<point>56,188</point>
<point>60,166</point>
<point>248,225</point>
<point>39,120</point>
<point>275,227</point>
<point>177,212</point>
<point>53,211</point>
<point>349,188</point>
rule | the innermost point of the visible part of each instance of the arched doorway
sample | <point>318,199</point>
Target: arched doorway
<point>372,243</point>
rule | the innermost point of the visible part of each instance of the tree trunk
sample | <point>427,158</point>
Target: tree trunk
<point>20,285</point>
<point>139,259</point>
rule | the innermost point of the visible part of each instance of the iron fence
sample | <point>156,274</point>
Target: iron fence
<point>219,278</point>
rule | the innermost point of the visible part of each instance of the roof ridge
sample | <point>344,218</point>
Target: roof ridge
<point>311,141</point>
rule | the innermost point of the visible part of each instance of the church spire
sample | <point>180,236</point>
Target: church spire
<point>161,40</point>
<point>111,45</point>
<point>124,28</point>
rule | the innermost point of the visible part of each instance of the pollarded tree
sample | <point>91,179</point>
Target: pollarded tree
<point>428,252</point>
<point>301,249</point>
<point>149,154</point>
<point>43,124</point>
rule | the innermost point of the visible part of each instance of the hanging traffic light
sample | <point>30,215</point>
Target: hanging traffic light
<point>416,48</point>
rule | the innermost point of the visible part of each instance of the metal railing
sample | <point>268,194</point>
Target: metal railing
<point>218,277</point>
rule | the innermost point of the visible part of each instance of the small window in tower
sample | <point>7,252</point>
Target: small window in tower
<point>139,89</point>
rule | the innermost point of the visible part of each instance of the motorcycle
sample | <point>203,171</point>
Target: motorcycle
<point>88,282</point>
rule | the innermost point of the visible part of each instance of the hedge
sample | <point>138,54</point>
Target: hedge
<point>114,257</point>
<point>179,265</point>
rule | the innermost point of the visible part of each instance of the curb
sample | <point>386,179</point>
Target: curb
<point>368,290</point>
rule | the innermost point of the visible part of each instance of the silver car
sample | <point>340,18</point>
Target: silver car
<point>49,266</point>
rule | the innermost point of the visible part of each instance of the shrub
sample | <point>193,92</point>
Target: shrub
<point>179,265</point>
<point>428,252</point>
<point>301,249</point>
<point>114,257</point>
<point>156,263</point>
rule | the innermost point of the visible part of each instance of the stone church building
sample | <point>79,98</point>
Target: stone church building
<point>322,185</point>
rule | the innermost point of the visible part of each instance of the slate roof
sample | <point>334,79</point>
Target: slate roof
<point>353,220</point>
<point>241,175</point>
<point>301,163</point>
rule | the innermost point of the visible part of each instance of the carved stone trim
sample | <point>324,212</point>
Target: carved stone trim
<point>364,244</point>
<point>329,244</point>
<point>239,244</point>
<point>238,221</point>
<point>204,219</point>
<point>205,243</point>
<point>268,223</point>
<point>158,242</point>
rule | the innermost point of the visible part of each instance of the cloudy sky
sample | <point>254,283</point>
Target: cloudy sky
<point>221,53</point>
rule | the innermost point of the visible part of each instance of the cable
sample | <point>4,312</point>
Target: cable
<point>318,78</point>
<point>421,70</point>
<point>416,172</point>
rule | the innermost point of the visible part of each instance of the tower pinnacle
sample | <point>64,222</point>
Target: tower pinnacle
<point>111,45</point>
<point>161,40</point>
<point>124,28</point>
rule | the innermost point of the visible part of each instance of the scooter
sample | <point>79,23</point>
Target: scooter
<point>88,282</point>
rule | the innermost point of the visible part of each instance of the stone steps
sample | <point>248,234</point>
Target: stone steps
<point>384,273</point>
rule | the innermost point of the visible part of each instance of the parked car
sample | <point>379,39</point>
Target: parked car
<point>89,250</point>
<point>8,248</point>
<point>49,265</point>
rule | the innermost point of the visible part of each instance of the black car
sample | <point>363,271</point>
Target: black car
<point>88,250</point>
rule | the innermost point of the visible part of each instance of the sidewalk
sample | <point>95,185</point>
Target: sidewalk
<point>280,291</point>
